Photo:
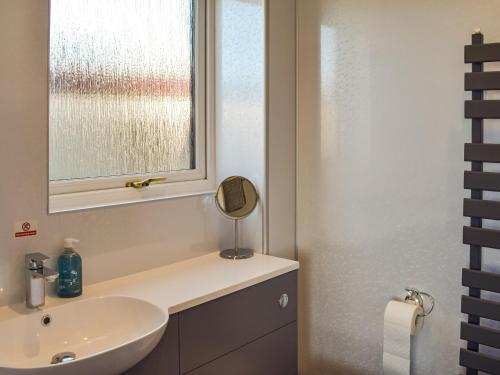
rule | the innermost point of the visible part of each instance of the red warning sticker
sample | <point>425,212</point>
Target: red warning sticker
<point>25,228</point>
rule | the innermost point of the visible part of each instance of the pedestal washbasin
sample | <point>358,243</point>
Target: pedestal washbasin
<point>105,336</point>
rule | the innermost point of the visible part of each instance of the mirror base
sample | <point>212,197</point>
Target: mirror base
<point>231,254</point>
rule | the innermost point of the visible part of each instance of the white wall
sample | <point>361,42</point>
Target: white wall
<point>381,135</point>
<point>281,120</point>
<point>114,241</point>
<point>117,240</point>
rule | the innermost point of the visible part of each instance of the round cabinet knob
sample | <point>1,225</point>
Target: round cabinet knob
<point>283,301</point>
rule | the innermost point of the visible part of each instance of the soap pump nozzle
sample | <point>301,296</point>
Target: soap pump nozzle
<point>70,243</point>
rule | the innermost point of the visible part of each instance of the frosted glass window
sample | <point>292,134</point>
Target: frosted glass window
<point>121,87</point>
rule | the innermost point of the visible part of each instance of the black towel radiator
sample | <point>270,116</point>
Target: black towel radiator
<point>477,208</point>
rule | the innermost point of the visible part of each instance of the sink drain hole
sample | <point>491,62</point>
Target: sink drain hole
<point>63,357</point>
<point>46,319</point>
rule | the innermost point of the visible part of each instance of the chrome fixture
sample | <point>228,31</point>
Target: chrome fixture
<point>422,299</point>
<point>36,275</point>
<point>236,198</point>
<point>63,357</point>
<point>283,301</point>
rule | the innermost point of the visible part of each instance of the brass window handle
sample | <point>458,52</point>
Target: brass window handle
<point>144,183</point>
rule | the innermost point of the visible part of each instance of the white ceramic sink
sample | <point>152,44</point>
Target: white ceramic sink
<point>107,335</point>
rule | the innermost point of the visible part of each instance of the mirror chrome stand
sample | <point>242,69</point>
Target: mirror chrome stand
<point>236,198</point>
<point>236,252</point>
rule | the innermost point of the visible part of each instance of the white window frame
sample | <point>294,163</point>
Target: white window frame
<point>77,194</point>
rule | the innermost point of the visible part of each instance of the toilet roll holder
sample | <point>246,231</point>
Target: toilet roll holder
<point>423,299</point>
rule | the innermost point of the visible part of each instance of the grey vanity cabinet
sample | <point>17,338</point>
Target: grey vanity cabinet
<point>249,332</point>
<point>164,359</point>
<point>272,354</point>
<point>215,328</point>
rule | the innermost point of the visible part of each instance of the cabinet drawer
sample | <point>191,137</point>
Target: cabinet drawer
<point>217,327</point>
<point>273,354</point>
<point>164,359</point>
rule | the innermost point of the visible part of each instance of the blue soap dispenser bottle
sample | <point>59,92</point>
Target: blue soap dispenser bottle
<point>70,271</point>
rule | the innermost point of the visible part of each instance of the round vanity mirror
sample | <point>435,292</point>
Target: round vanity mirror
<point>236,198</point>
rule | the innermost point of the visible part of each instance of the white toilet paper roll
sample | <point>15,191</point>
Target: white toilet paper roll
<point>400,322</point>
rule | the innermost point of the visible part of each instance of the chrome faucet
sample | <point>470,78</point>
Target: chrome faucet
<point>36,275</point>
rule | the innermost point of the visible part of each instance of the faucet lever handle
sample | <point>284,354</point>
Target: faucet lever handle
<point>35,261</point>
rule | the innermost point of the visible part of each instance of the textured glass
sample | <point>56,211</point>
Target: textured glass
<point>240,112</point>
<point>120,87</point>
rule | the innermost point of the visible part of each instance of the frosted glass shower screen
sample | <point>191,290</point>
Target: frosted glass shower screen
<point>121,87</point>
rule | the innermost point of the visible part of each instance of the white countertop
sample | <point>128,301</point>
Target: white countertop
<point>179,286</point>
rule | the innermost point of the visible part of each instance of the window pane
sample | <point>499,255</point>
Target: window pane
<point>121,84</point>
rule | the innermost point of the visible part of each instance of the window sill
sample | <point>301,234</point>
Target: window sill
<point>114,197</point>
